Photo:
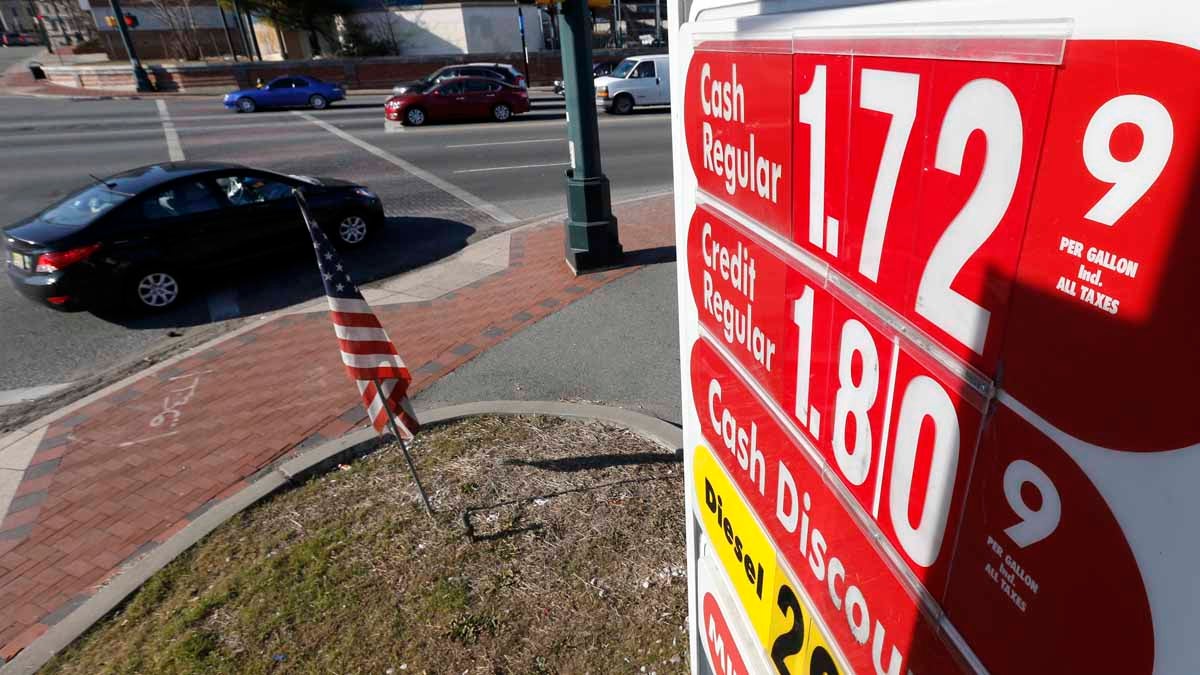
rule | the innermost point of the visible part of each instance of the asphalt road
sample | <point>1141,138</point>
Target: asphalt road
<point>501,174</point>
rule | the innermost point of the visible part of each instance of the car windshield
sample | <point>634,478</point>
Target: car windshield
<point>84,207</point>
<point>421,86</point>
<point>623,68</point>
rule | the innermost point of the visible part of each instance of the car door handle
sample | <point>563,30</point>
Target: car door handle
<point>461,98</point>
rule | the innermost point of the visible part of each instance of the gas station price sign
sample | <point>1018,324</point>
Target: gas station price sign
<point>936,337</point>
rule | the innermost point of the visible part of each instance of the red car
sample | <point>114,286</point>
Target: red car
<point>457,98</point>
<point>17,39</point>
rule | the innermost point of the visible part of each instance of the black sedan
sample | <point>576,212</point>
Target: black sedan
<point>146,236</point>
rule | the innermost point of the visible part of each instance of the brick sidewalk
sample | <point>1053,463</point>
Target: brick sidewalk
<point>119,476</point>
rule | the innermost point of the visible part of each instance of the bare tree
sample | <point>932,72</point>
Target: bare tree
<point>387,32</point>
<point>177,16</point>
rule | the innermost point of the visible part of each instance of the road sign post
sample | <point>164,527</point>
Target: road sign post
<point>139,73</point>
<point>592,239</point>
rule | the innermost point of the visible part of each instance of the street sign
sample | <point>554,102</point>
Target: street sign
<point>937,335</point>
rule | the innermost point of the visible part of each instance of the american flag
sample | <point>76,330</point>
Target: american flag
<point>369,355</point>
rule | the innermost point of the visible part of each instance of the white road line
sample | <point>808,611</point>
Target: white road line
<point>531,140</point>
<point>487,207</point>
<point>223,304</point>
<point>15,396</point>
<point>518,166</point>
<point>174,149</point>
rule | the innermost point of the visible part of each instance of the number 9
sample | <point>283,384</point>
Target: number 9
<point>1130,180</point>
<point>1035,525</point>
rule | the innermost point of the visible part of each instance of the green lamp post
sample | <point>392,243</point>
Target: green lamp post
<point>592,240</point>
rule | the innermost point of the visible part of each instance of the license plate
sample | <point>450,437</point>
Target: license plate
<point>19,261</point>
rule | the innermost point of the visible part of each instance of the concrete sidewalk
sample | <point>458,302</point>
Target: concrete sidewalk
<point>104,481</point>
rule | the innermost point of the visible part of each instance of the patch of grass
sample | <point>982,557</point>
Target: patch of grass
<point>557,547</point>
<point>467,629</point>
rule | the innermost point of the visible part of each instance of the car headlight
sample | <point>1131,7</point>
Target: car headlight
<point>601,92</point>
<point>364,192</point>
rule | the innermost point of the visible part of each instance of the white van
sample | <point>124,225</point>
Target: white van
<point>636,81</point>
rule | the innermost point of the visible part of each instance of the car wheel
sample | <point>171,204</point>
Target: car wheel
<point>155,290</point>
<point>352,229</point>
<point>318,102</point>
<point>623,104</point>
<point>246,105</point>
<point>501,112</point>
<point>414,117</point>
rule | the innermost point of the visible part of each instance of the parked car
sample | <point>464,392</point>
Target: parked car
<point>457,98</point>
<point>289,91</point>
<point>142,238</point>
<point>638,80</point>
<point>599,69</point>
<point>17,39</point>
<point>496,71</point>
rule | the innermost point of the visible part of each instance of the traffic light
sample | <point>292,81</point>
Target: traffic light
<point>131,21</point>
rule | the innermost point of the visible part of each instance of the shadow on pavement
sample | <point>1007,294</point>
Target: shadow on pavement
<point>290,277</point>
<point>592,462</point>
<point>648,256</point>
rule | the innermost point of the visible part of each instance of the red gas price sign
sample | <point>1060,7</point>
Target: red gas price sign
<point>899,431</point>
<point>869,611</point>
<point>913,178</point>
<point>722,650</point>
<point>1033,524</point>
<point>1103,331</point>
<point>964,354</point>
<point>737,114</point>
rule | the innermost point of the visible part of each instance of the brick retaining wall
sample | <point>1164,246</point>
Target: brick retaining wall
<point>369,73</point>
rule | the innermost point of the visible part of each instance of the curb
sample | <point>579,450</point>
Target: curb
<point>309,463</point>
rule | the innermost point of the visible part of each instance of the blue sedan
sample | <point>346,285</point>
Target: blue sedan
<point>290,91</point>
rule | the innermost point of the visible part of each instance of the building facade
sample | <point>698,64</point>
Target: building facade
<point>17,16</point>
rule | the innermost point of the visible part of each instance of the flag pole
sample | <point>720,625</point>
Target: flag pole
<point>403,446</point>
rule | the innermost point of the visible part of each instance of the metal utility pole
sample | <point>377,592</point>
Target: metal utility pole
<point>228,35</point>
<point>139,73</point>
<point>657,23</point>
<point>44,34</point>
<point>617,37</point>
<point>592,240</point>
<point>524,47</point>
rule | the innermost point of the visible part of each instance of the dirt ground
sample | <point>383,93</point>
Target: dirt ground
<point>557,547</point>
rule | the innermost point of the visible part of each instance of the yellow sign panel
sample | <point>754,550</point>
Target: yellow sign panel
<point>743,548</point>
<point>819,657</point>
<point>778,611</point>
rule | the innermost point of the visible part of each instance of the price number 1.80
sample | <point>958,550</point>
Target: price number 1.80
<point>887,404</point>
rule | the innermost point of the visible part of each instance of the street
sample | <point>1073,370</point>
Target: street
<point>442,185</point>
